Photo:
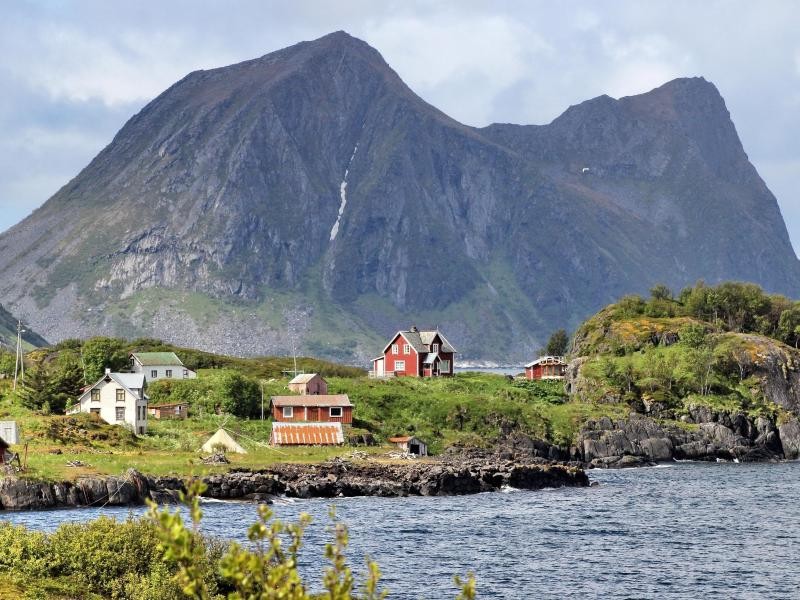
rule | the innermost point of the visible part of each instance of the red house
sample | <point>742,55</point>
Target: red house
<point>327,408</point>
<point>546,367</point>
<point>415,353</point>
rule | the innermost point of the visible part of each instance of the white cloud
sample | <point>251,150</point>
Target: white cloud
<point>131,66</point>
<point>462,62</point>
<point>639,64</point>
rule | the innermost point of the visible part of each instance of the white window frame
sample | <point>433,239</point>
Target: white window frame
<point>435,348</point>
<point>399,365</point>
<point>117,413</point>
<point>94,392</point>
<point>169,373</point>
<point>120,395</point>
<point>395,349</point>
<point>153,373</point>
<point>288,412</point>
<point>444,366</point>
<point>406,348</point>
<point>335,408</point>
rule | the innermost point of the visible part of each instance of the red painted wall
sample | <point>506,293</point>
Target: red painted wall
<point>536,371</point>
<point>316,414</point>
<point>412,360</point>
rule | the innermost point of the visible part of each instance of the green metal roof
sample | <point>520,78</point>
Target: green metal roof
<point>152,359</point>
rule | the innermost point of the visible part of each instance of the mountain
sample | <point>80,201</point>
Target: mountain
<point>8,334</point>
<point>310,198</point>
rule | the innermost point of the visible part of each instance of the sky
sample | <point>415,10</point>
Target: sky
<point>72,73</point>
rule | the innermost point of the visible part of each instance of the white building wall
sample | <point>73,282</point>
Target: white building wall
<point>176,372</point>
<point>108,406</point>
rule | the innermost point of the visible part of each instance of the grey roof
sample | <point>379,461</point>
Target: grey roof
<point>421,340</point>
<point>303,378</point>
<point>129,382</point>
<point>430,357</point>
<point>133,381</point>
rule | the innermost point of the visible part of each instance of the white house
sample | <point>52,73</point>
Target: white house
<point>160,365</point>
<point>118,398</point>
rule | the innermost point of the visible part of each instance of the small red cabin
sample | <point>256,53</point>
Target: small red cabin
<point>416,353</point>
<point>546,367</point>
<point>321,408</point>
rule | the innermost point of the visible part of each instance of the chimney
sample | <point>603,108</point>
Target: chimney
<point>414,328</point>
<point>108,371</point>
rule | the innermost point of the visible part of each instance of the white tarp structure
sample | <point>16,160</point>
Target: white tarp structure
<point>222,440</point>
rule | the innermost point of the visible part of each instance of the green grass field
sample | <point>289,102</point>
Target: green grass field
<point>470,409</point>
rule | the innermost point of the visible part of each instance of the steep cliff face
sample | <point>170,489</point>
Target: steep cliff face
<point>8,333</point>
<point>312,191</point>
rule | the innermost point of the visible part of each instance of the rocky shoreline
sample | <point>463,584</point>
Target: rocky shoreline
<point>445,477</point>
<point>640,440</point>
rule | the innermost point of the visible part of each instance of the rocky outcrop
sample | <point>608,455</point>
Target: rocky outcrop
<point>21,494</point>
<point>327,480</point>
<point>706,435</point>
<point>440,478</point>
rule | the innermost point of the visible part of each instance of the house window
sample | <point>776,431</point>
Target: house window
<point>95,411</point>
<point>95,395</point>
<point>120,395</point>
<point>120,413</point>
<point>335,411</point>
<point>169,372</point>
<point>406,349</point>
<point>185,373</point>
<point>153,374</point>
<point>288,412</point>
<point>444,366</point>
<point>435,348</point>
<point>394,349</point>
<point>399,365</point>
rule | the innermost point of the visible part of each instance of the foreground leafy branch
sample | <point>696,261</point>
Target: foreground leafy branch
<point>268,569</point>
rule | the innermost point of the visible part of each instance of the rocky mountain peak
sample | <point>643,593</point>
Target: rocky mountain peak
<point>312,190</point>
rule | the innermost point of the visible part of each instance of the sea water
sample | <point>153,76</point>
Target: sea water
<point>683,530</point>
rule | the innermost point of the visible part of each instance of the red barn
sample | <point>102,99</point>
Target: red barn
<point>321,408</point>
<point>546,367</point>
<point>415,353</point>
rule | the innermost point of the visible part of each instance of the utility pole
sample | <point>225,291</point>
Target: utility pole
<point>261,384</point>
<point>19,362</point>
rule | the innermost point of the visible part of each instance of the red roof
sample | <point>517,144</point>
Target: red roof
<point>306,434</point>
<point>312,400</point>
<point>400,438</point>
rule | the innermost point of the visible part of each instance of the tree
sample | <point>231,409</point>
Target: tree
<point>237,395</point>
<point>692,335</point>
<point>661,292</point>
<point>67,380</point>
<point>7,362</point>
<point>101,353</point>
<point>37,390</point>
<point>557,344</point>
<point>700,366</point>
